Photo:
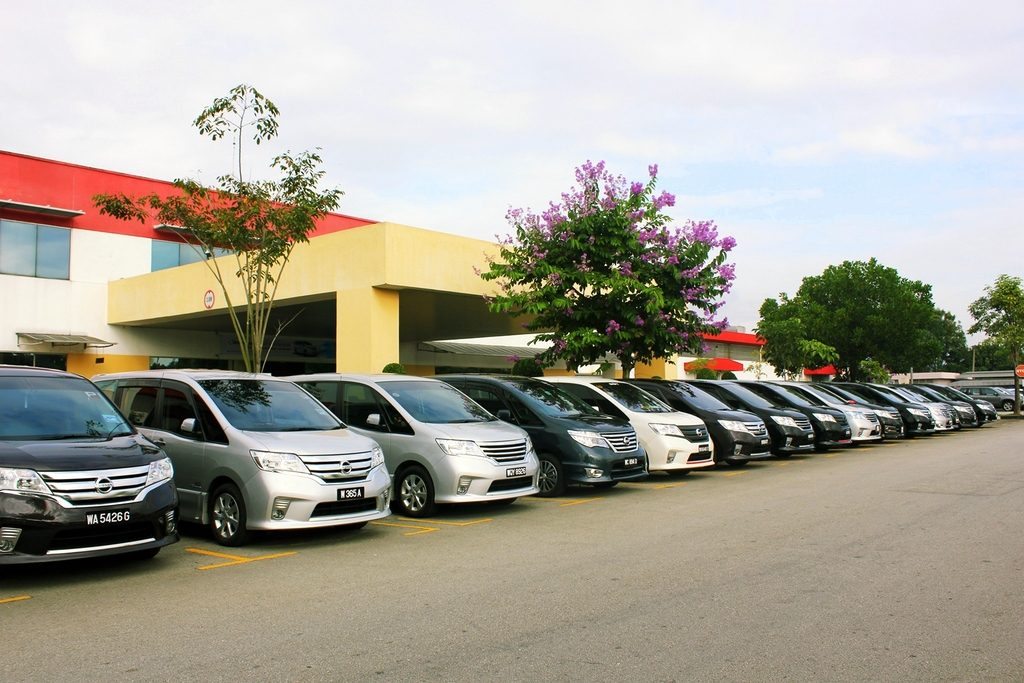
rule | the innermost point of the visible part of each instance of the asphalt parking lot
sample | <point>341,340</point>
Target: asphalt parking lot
<point>896,561</point>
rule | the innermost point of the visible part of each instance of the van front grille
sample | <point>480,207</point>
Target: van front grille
<point>504,451</point>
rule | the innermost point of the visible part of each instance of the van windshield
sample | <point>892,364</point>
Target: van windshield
<point>53,408</point>
<point>259,405</point>
<point>634,398</point>
<point>435,402</point>
<point>551,400</point>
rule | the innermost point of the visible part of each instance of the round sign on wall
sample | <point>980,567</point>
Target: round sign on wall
<point>208,299</point>
<point>1019,371</point>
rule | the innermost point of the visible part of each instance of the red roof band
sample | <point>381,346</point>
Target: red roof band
<point>715,364</point>
<point>819,372</point>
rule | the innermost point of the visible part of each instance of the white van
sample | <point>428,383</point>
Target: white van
<point>439,444</point>
<point>675,442</point>
<point>253,452</point>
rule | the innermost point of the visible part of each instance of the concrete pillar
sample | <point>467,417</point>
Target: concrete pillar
<point>367,329</point>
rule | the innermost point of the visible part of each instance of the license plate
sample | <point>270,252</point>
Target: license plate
<point>764,442</point>
<point>112,517</point>
<point>703,448</point>
<point>629,462</point>
<point>515,472</point>
<point>351,494</point>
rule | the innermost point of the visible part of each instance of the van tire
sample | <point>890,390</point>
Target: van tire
<point>227,516</point>
<point>414,493</point>
<point>550,476</point>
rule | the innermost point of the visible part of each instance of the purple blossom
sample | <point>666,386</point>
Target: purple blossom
<point>612,327</point>
<point>636,188</point>
<point>727,271</point>
<point>664,199</point>
<point>652,170</point>
<point>626,268</point>
<point>728,243</point>
<point>639,321</point>
<point>513,358</point>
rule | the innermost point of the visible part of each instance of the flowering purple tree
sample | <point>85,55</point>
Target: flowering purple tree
<point>603,272</point>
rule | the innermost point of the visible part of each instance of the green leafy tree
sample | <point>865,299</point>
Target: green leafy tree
<point>859,310</point>
<point>786,347</point>
<point>527,367</point>
<point>999,313</point>
<point>954,355</point>
<point>257,223</point>
<point>603,272</point>
<point>989,355</point>
<point>872,371</point>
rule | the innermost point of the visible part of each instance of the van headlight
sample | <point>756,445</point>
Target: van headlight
<point>733,425</point>
<point>825,417</point>
<point>666,430</point>
<point>160,470</point>
<point>376,457</point>
<point>278,462</point>
<point>919,412</point>
<point>588,439</point>
<point>460,447</point>
<point>784,420</point>
<point>22,481</point>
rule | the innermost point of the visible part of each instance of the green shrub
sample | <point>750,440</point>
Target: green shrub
<point>395,368</point>
<point>706,373</point>
<point>728,374</point>
<point>528,367</point>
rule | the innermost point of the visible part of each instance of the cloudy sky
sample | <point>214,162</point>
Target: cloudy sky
<point>812,131</point>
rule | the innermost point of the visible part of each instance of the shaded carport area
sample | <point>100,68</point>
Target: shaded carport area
<point>350,301</point>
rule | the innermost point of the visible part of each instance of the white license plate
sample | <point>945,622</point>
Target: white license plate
<point>629,462</point>
<point>351,494</point>
<point>764,442</point>
<point>112,517</point>
<point>703,448</point>
<point>515,472</point>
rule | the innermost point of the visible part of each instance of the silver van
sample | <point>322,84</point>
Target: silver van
<point>439,445</point>
<point>252,452</point>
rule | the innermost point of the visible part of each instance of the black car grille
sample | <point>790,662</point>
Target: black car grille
<point>695,433</point>
<point>803,423</point>
<point>621,442</point>
<point>510,484</point>
<point>83,487</point>
<point>344,507</point>
<point>756,428</point>
<point>339,466</point>
<point>505,451</point>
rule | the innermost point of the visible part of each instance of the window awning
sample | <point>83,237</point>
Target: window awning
<point>820,372</point>
<point>468,349</point>
<point>714,364</point>
<point>61,339</point>
<point>40,209</point>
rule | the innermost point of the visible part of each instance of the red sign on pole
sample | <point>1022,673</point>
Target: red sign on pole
<point>1019,371</point>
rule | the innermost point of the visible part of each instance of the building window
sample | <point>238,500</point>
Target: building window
<point>35,250</point>
<point>38,360</point>
<point>174,254</point>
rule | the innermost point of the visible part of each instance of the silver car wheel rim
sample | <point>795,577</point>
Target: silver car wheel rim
<point>548,478</point>
<point>225,516</point>
<point>414,493</point>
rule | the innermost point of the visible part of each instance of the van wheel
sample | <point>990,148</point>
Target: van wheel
<point>1007,406</point>
<point>414,493</point>
<point>550,479</point>
<point>227,516</point>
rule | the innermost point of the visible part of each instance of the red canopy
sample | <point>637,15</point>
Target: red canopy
<point>816,372</point>
<point>716,364</point>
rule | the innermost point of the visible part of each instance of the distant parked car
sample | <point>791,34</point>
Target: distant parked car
<point>994,395</point>
<point>575,444</point>
<point>675,442</point>
<point>830,426</point>
<point>985,411</point>
<point>888,416</point>
<point>864,423</point>
<point>738,435</point>
<point>790,431</point>
<point>944,415</point>
<point>440,446</point>
<point>254,452</point>
<point>917,418</point>
<point>76,479</point>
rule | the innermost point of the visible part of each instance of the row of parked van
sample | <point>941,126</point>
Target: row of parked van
<point>87,471</point>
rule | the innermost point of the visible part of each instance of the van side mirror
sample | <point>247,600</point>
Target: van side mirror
<point>505,414</point>
<point>188,426</point>
<point>373,419</point>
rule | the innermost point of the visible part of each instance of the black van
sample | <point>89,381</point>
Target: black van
<point>574,443</point>
<point>76,479</point>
